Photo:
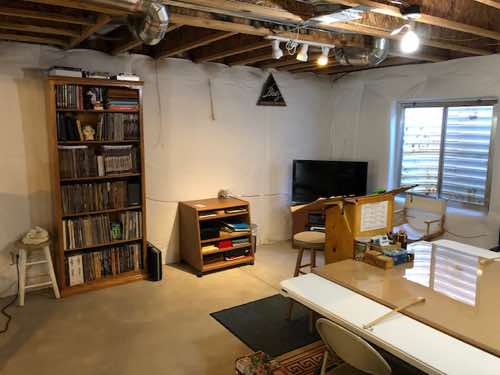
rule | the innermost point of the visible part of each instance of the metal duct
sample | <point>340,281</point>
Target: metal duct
<point>363,56</point>
<point>150,26</point>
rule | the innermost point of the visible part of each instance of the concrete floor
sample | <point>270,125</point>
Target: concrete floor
<point>142,327</point>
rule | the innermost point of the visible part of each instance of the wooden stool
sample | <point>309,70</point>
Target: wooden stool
<point>25,261</point>
<point>313,241</point>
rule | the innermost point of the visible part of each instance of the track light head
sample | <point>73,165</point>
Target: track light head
<point>411,12</point>
<point>323,59</point>
<point>277,51</point>
<point>410,42</point>
<point>302,55</point>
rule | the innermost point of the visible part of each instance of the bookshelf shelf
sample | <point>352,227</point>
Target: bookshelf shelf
<point>95,178</point>
<point>83,143</point>
<point>100,264</point>
<point>112,243</point>
<point>222,216</point>
<point>226,249</point>
<point>191,225</point>
<point>98,110</point>
<point>111,210</point>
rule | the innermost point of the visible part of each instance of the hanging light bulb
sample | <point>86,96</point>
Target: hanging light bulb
<point>302,55</point>
<point>323,59</point>
<point>277,52</point>
<point>410,42</point>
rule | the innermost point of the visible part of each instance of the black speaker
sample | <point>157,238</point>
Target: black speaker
<point>155,266</point>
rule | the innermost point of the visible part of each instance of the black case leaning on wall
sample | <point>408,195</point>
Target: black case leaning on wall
<point>155,267</point>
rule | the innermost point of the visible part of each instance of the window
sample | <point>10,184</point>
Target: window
<point>446,149</point>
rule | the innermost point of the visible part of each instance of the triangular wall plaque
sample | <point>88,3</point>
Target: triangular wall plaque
<point>271,94</point>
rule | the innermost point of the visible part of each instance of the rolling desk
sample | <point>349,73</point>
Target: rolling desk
<point>425,347</point>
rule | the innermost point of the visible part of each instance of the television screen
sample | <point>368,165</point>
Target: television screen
<point>313,179</point>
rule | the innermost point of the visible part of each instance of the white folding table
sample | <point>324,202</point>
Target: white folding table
<point>424,347</point>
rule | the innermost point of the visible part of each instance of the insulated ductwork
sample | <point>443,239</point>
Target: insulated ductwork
<point>363,56</point>
<point>149,22</point>
<point>150,25</point>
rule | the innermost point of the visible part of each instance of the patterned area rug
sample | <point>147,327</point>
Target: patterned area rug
<point>306,360</point>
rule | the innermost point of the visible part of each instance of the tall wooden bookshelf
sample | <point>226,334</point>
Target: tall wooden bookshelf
<point>135,177</point>
<point>214,212</point>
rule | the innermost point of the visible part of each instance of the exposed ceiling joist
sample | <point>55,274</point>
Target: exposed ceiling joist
<point>188,41</point>
<point>132,42</point>
<point>390,10</point>
<point>39,29</point>
<point>288,60</point>
<point>101,21</point>
<point>44,15</point>
<point>32,39</point>
<point>249,58</point>
<point>491,3</point>
<point>389,62</point>
<point>421,56</point>
<point>282,15</point>
<point>83,5</point>
<point>226,51</point>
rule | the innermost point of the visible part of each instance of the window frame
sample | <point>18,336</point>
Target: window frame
<point>445,104</point>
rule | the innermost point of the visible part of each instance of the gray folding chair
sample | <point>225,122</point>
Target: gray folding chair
<point>358,355</point>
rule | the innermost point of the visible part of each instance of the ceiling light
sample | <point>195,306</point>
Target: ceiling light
<point>410,42</point>
<point>323,59</point>
<point>302,55</point>
<point>277,52</point>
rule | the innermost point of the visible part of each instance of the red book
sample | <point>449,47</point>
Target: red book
<point>225,244</point>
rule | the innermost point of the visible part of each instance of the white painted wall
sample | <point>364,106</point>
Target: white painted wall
<point>246,149</point>
<point>365,113</point>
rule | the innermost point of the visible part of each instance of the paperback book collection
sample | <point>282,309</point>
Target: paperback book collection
<point>97,230</point>
<point>69,97</point>
<point>109,127</point>
<point>82,268</point>
<point>82,161</point>
<point>99,196</point>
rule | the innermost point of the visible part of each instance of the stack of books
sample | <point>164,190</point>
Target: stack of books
<point>65,71</point>
<point>209,249</point>
<point>236,227</point>
<point>241,241</point>
<point>120,99</point>
<point>81,268</point>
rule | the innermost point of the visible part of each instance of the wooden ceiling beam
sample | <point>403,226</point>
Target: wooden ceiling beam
<point>43,15</point>
<point>32,39</point>
<point>393,11</point>
<point>490,3</point>
<point>187,41</point>
<point>132,42</point>
<point>38,29</point>
<point>101,21</point>
<point>83,5</point>
<point>389,62</point>
<point>231,51</point>
<point>284,61</point>
<point>249,58</point>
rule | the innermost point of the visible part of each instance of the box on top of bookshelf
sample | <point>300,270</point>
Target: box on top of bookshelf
<point>97,162</point>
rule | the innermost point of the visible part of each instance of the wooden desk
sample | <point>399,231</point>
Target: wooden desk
<point>432,350</point>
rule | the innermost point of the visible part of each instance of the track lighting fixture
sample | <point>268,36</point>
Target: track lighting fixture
<point>323,59</point>
<point>277,51</point>
<point>410,42</point>
<point>302,55</point>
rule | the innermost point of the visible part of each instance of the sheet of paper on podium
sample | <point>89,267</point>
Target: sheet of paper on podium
<point>374,216</point>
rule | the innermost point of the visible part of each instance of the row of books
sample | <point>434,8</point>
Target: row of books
<point>82,268</point>
<point>82,161</point>
<point>99,196</point>
<point>117,127</point>
<point>69,97</point>
<point>97,230</point>
<point>109,127</point>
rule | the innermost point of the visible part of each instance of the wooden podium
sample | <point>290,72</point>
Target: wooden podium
<point>348,219</point>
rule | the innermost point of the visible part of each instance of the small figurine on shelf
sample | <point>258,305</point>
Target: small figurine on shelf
<point>223,194</point>
<point>88,133</point>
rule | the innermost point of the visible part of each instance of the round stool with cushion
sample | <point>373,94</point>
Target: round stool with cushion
<point>313,241</point>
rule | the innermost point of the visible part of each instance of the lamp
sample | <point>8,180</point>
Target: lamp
<point>323,59</point>
<point>302,55</point>
<point>277,52</point>
<point>410,42</point>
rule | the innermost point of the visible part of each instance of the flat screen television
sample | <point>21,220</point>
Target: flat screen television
<point>313,179</point>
